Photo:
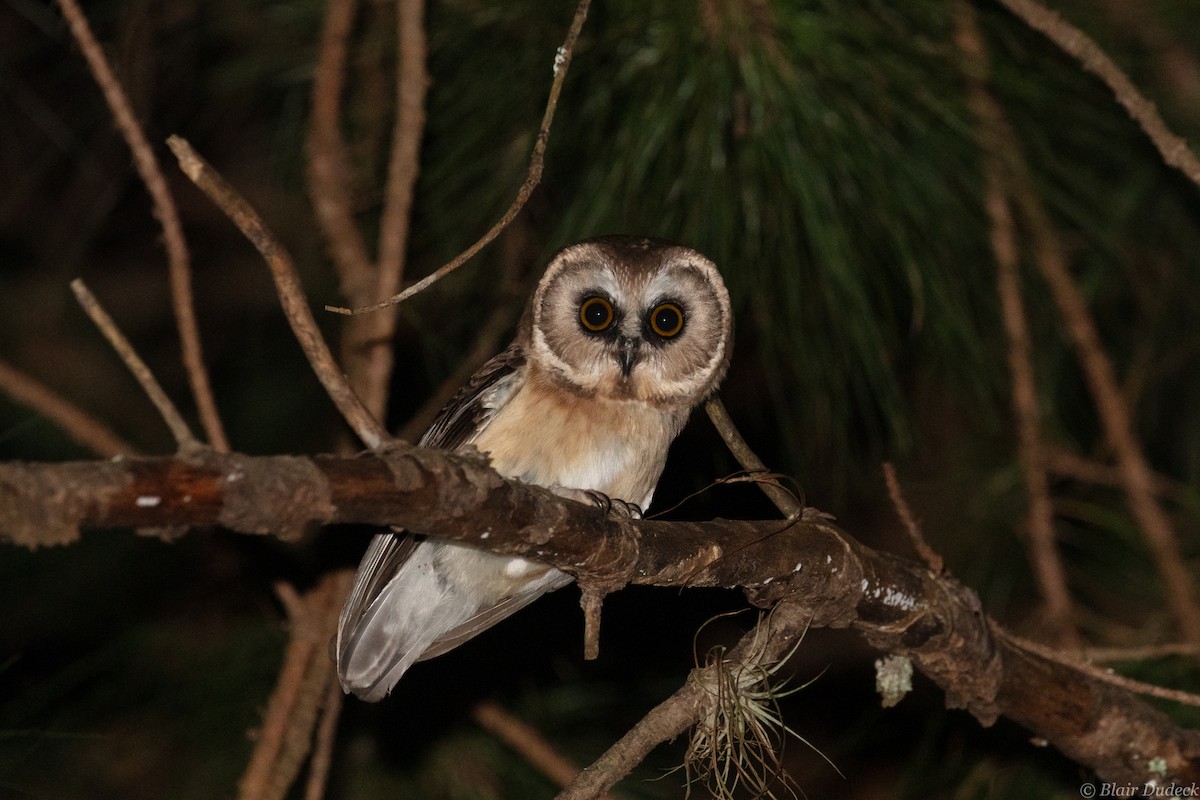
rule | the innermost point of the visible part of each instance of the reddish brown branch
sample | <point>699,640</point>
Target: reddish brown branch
<point>178,260</point>
<point>996,138</point>
<point>291,293</point>
<point>85,429</point>
<point>821,575</point>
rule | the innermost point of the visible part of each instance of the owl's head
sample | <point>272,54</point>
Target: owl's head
<point>632,319</point>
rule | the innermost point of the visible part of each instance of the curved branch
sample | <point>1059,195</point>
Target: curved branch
<point>815,569</point>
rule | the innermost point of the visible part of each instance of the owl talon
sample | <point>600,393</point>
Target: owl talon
<point>609,505</point>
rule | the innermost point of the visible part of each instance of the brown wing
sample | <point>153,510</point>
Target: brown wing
<point>474,405</point>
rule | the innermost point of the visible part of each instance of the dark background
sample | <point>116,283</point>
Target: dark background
<point>821,153</point>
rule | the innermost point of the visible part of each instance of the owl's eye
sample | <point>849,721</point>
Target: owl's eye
<point>596,314</point>
<point>666,320</point>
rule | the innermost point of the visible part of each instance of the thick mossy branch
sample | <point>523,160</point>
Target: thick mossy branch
<point>813,570</point>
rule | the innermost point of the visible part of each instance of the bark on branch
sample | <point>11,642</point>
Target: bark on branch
<point>899,606</point>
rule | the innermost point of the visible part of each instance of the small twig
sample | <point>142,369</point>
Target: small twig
<point>1173,149</point>
<point>995,137</point>
<point>291,293</point>
<point>784,500</point>
<point>166,409</point>
<point>179,267</point>
<point>927,553</point>
<point>1099,673</point>
<point>1103,655</point>
<point>488,336</point>
<point>562,61</point>
<point>85,429</point>
<point>528,742</point>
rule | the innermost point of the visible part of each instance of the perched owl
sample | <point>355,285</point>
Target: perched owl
<point>622,339</point>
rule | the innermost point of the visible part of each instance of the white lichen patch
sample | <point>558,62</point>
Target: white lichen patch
<point>890,596</point>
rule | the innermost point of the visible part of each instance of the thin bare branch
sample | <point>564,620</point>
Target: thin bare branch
<point>562,61</point>
<point>995,139</point>
<point>184,438</point>
<point>528,742</point>
<point>1173,149</point>
<point>1101,674</point>
<point>76,423</point>
<point>291,293</point>
<point>927,553</point>
<point>489,334</point>
<point>179,267</point>
<point>1143,653</point>
<point>328,163</point>
<point>785,501</point>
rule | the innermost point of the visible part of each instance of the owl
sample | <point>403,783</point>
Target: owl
<point>622,338</point>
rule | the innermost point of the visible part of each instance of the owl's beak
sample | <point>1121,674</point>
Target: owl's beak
<point>627,354</point>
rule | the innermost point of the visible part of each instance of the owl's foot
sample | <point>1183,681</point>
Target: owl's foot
<point>610,505</point>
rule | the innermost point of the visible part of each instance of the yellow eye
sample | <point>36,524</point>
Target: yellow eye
<point>596,314</point>
<point>666,320</point>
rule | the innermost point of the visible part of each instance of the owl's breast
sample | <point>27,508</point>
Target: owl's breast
<point>545,435</point>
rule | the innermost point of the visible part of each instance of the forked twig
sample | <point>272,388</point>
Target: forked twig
<point>562,61</point>
<point>291,293</point>
<point>179,267</point>
<point>166,409</point>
